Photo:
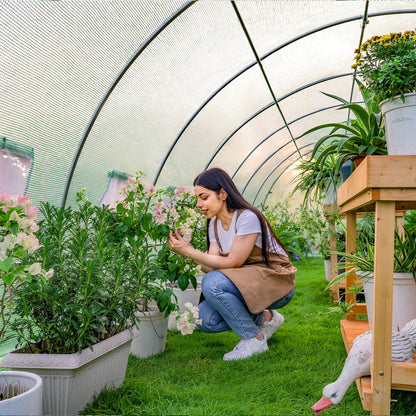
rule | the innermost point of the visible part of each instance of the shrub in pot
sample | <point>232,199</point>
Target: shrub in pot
<point>85,312</point>
<point>387,64</point>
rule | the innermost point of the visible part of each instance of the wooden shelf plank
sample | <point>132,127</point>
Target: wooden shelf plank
<point>350,330</point>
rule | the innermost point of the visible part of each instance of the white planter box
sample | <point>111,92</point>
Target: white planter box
<point>153,332</point>
<point>404,298</point>
<point>70,381</point>
<point>27,403</point>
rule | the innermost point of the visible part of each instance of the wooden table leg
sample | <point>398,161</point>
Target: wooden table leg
<point>350,238</point>
<point>382,307</point>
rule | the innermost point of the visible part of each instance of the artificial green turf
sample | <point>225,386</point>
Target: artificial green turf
<point>304,355</point>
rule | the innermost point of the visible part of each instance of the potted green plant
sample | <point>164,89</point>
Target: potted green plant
<point>354,139</point>
<point>361,262</point>
<point>74,329</point>
<point>387,66</point>
<point>20,392</point>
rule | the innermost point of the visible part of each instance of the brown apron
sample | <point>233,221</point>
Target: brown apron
<point>259,284</point>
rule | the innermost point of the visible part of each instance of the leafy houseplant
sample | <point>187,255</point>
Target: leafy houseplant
<point>361,136</point>
<point>387,64</point>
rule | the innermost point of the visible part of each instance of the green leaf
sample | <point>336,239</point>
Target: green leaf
<point>6,264</point>
<point>8,278</point>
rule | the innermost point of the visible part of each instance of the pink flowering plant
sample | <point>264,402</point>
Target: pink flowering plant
<point>187,321</point>
<point>178,211</point>
<point>17,243</point>
<point>143,226</point>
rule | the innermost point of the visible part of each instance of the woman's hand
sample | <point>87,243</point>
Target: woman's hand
<point>177,243</point>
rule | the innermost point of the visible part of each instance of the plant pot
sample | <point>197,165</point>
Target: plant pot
<point>183,296</point>
<point>345,170</point>
<point>70,381</point>
<point>331,195</point>
<point>153,332</point>
<point>357,160</point>
<point>400,122</point>
<point>28,400</point>
<point>327,263</point>
<point>404,298</point>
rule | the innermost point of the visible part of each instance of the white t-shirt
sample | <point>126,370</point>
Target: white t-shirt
<point>247,223</point>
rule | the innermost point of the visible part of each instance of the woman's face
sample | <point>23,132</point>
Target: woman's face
<point>209,202</point>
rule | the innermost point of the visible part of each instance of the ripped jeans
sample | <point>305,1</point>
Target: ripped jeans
<point>224,307</point>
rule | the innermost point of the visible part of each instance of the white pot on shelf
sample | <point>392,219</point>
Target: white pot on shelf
<point>28,393</point>
<point>400,122</point>
<point>404,298</point>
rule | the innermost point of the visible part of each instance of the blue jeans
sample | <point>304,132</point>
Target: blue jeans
<point>224,307</point>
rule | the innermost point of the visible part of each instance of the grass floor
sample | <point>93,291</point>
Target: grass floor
<point>304,355</point>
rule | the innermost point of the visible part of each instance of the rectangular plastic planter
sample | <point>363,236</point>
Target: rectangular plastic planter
<point>70,381</point>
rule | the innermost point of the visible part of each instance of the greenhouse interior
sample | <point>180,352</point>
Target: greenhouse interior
<point>126,126</point>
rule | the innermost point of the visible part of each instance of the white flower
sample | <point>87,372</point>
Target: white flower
<point>14,216</point>
<point>34,269</point>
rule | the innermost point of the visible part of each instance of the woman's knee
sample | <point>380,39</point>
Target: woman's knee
<point>212,283</point>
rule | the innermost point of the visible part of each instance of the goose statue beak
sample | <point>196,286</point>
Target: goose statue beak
<point>321,405</point>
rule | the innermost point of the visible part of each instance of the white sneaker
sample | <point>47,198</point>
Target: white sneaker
<point>246,348</point>
<point>270,327</point>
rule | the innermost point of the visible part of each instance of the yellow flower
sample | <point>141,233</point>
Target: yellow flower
<point>365,45</point>
<point>357,57</point>
<point>385,38</point>
<point>356,64</point>
<point>387,44</point>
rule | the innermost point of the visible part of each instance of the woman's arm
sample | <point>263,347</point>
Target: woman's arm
<point>240,250</point>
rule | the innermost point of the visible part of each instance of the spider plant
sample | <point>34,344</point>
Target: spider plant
<point>315,180</point>
<point>362,259</point>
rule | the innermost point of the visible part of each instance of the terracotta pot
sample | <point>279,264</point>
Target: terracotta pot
<point>357,160</point>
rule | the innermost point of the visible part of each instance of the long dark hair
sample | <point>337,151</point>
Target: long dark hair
<point>216,179</point>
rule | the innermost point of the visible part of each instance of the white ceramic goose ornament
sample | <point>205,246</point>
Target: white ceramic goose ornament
<point>358,361</point>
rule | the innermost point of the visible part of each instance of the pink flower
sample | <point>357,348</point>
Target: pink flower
<point>161,218</point>
<point>49,273</point>
<point>32,213</point>
<point>23,200</point>
<point>6,199</point>
<point>151,190</point>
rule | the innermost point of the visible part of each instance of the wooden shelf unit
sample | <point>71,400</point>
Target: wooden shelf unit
<point>385,185</point>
